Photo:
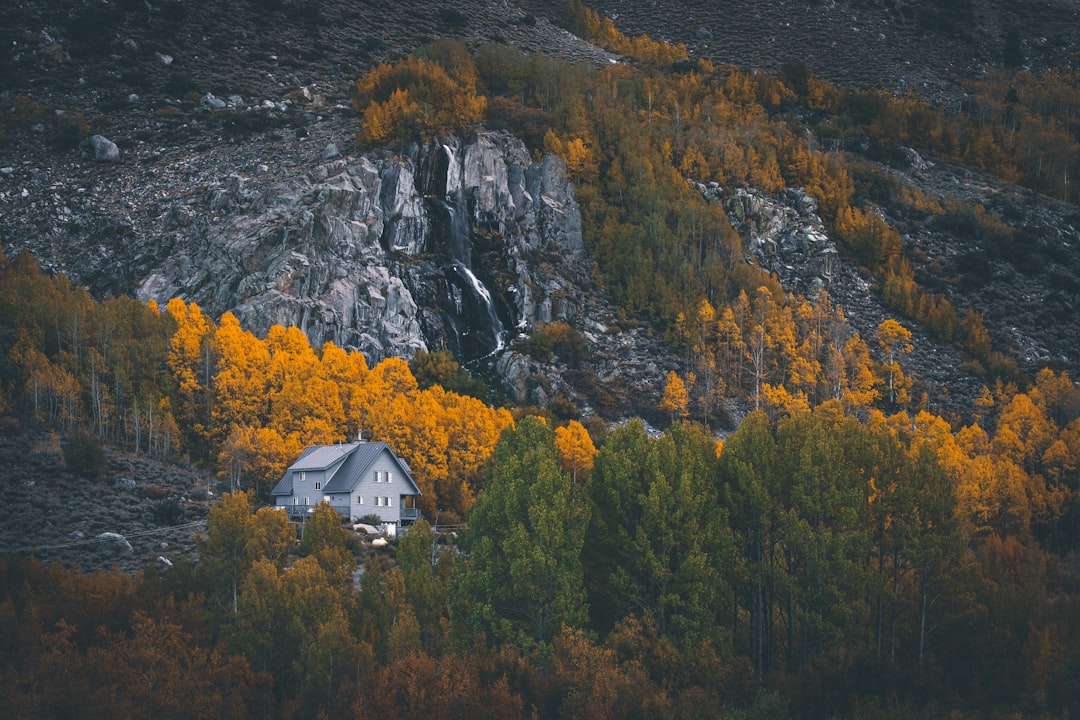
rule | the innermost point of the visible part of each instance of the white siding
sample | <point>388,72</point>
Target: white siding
<point>370,490</point>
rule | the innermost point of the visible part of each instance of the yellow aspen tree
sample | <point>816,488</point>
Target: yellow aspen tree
<point>186,346</point>
<point>676,400</point>
<point>893,340</point>
<point>1025,431</point>
<point>192,361</point>
<point>710,384</point>
<point>861,385</point>
<point>301,398</point>
<point>348,371</point>
<point>984,404</point>
<point>779,403</point>
<point>241,382</point>
<point>410,425</point>
<point>731,348</point>
<point>576,449</point>
<point>472,432</point>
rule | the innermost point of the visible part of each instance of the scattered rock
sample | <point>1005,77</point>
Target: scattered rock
<point>915,160</point>
<point>330,152</point>
<point>163,59</point>
<point>105,150</point>
<point>115,542</point>
<point>213,102</point>
<point>126,483</point>
<point>703,33</point>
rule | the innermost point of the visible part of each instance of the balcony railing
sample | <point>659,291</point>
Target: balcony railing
<point>296,512</point>
<point>408,513</point>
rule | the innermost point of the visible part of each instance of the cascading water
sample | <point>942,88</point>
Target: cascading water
<point>469,308</point>
<point>480,290</point>
<point>450,225</point>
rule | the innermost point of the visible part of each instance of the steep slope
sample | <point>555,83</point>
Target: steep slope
<point>926,46</point>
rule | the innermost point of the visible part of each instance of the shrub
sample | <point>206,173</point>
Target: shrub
<point>70,130</point>
<point>453,18</point>
<point>169,512</point>
<point>84,456</point>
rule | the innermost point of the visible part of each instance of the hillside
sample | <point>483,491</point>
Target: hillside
<point>736,377</point>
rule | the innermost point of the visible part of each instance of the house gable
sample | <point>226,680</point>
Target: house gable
<point>358,479</point>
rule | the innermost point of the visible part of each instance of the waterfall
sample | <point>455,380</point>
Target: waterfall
<point>450,223</point>
<point>487,306</point>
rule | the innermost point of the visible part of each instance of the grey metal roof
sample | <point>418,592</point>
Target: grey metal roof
<point>356,459</point>
<point>320,457</point>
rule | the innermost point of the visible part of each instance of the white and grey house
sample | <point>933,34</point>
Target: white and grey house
<point>358,478</point>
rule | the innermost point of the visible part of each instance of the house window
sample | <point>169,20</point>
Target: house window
<point>318,486</point>
<point>388,503</point>
<point>307,501</point>
<point>376,476</point>
<point>378,501</point>
<point>303,476</point>
<point>389,477</point>
<point>295,500</point>
<point>359,499</point>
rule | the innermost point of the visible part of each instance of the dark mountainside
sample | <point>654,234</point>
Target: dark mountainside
<point>928,46</point>
<point>233,125</point>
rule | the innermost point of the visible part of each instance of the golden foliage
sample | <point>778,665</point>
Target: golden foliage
<point>576,450</point>
<point>415,97</point>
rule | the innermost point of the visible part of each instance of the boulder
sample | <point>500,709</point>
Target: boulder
<point>330,152</point>
<point>114,542</point>
<point>213,102</point>
<point>105,150</point>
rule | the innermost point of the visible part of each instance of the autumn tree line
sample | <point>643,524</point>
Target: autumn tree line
<point>811,564</point>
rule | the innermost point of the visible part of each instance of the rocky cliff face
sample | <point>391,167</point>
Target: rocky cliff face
<point>442,249</point>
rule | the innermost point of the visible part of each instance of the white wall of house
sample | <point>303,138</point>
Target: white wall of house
<point>382,496</point>
<point>307,488</point>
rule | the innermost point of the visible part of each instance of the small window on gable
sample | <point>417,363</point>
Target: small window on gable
<point>389,476</point>
<point>303,476</point>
